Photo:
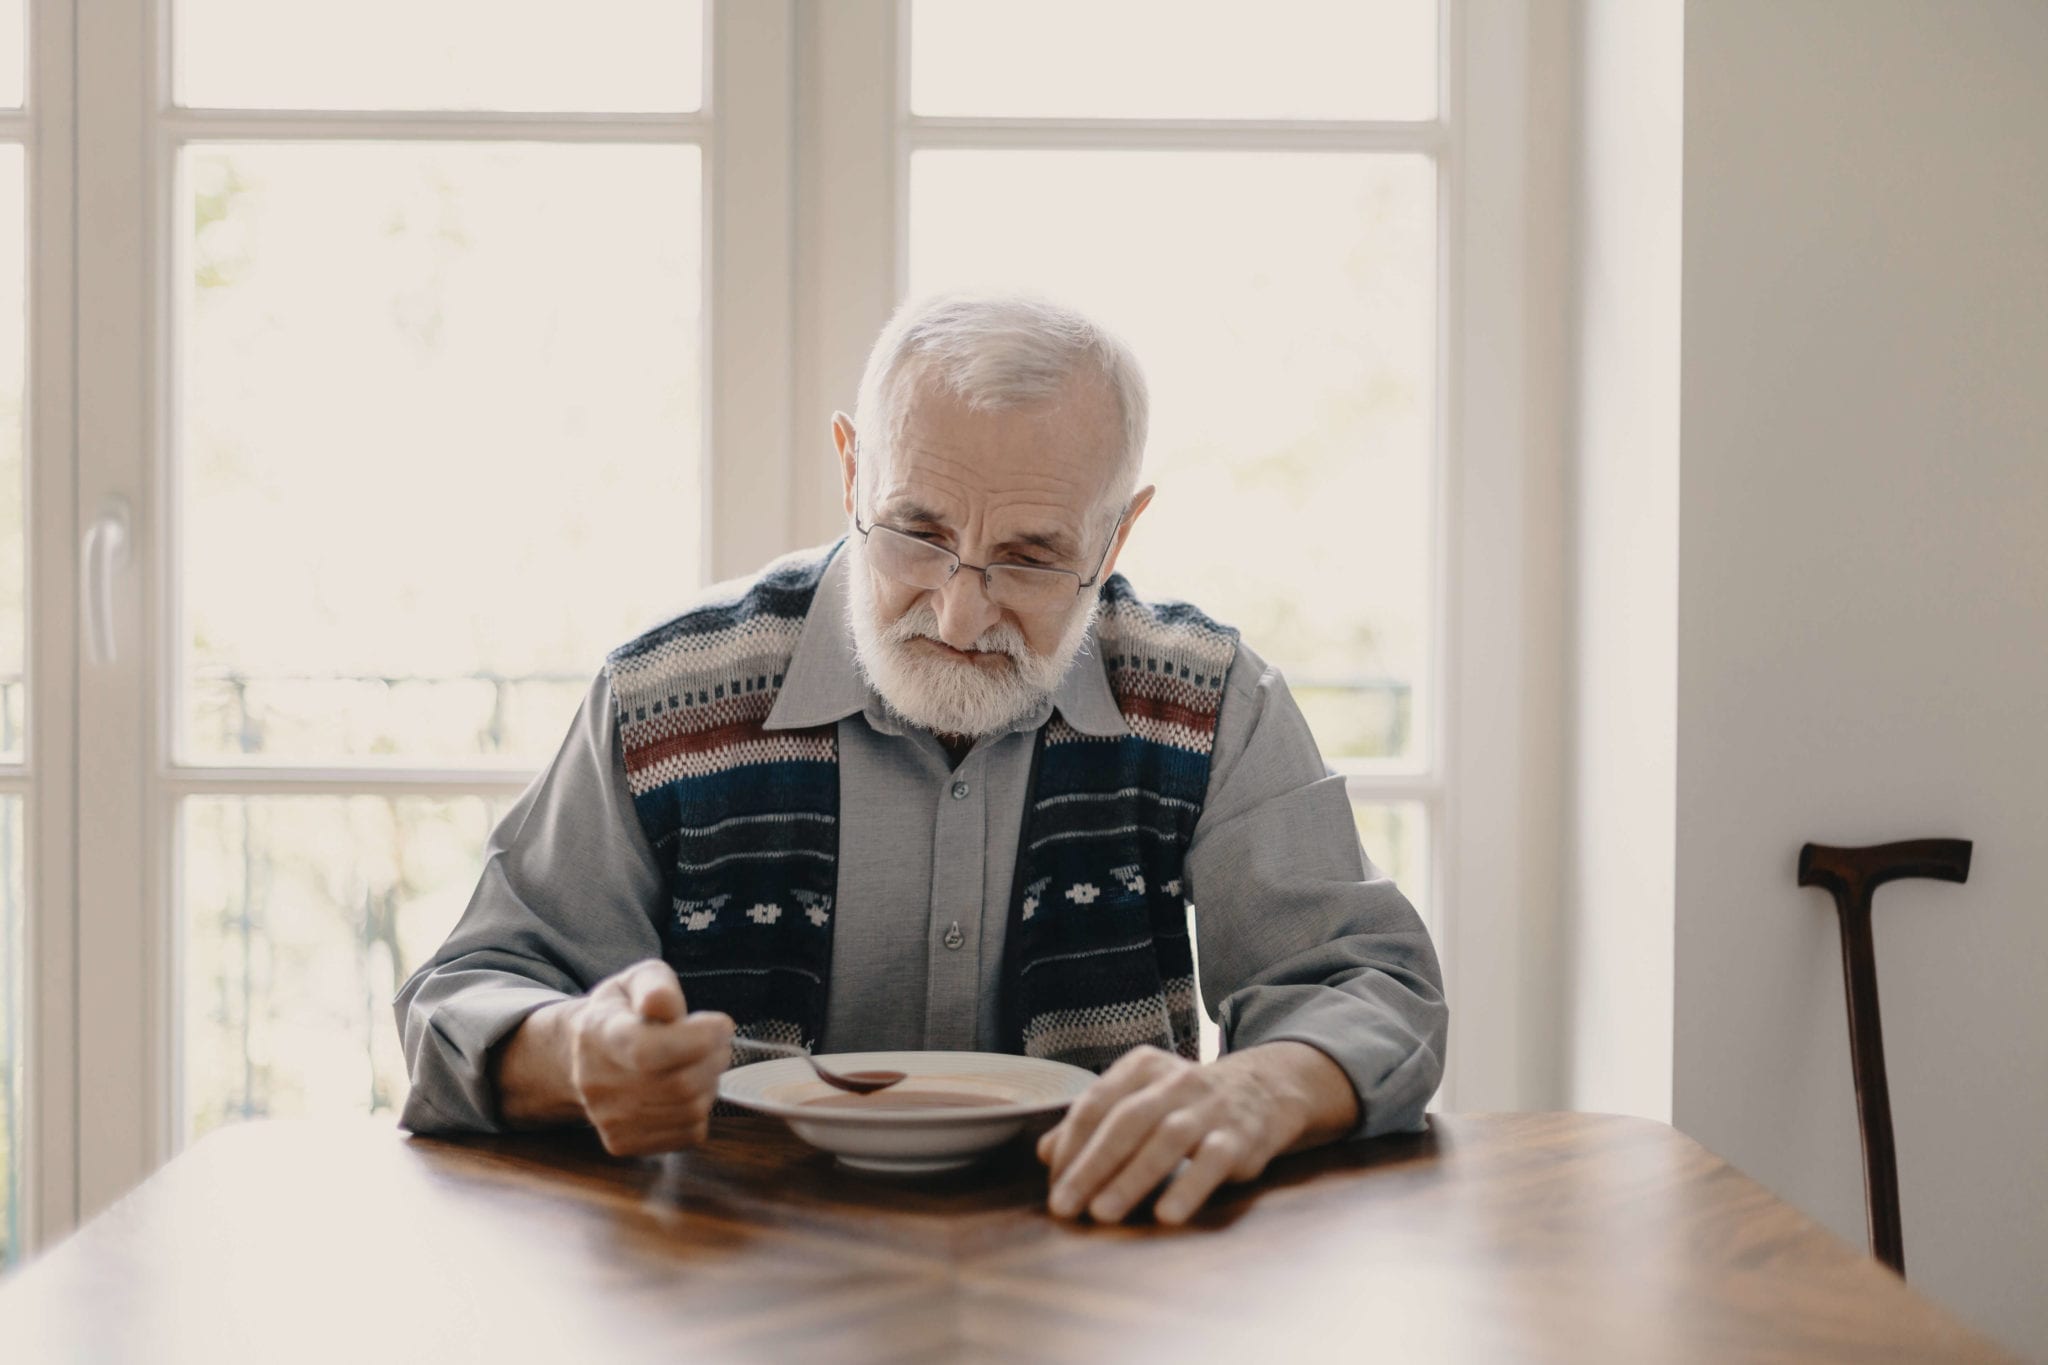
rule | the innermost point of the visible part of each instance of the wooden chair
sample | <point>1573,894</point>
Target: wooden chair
<point>1852,875</point>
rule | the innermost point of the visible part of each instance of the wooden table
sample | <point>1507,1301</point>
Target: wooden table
<point>1494,1237</point>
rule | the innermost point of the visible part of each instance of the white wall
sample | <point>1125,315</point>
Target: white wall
<point>1863,608</point>
<point>1615,1035</point>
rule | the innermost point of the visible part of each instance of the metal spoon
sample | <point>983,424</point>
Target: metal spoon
<point>859,1082</point>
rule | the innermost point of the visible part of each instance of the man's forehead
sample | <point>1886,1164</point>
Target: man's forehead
<point>1053,459</point>
<point>910,501</point>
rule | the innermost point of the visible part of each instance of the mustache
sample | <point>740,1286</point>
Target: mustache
<point>922,621</point>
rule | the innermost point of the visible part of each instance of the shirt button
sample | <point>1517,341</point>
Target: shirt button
<point>959,791</point>
<point>954,938</point>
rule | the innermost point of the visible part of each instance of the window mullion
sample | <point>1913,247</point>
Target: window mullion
<point>849,226</point>
<point>749,287</point>
<point>48,1162</point>
<point>119,278</point>
<point>426,125</point>
<point>1176,135</point>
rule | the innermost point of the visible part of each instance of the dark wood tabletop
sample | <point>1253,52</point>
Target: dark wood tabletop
<point>1493,1237</point>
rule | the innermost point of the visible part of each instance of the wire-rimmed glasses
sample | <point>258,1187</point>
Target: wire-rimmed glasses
<point>919,563</point>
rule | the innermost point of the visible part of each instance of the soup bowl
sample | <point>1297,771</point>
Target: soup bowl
<point>950,1108</point>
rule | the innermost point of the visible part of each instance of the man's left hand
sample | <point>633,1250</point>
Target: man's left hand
<point>1129,1130</point>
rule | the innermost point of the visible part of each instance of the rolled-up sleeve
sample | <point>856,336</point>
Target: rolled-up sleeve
<point>1298,935</point>
<point>569,894</point>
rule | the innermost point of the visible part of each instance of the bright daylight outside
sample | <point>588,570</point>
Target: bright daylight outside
<point>449,396</point>
<point>440,416</point>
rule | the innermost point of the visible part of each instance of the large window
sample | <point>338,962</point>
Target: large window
<point>1263,230</point>
<point>412,376</point>
<point>438,449</point>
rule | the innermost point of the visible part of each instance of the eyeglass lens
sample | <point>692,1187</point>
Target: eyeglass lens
<point>920,564</point>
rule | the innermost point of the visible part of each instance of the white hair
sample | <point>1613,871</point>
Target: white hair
<point>996,351</point>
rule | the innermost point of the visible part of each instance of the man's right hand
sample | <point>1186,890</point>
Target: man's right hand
<point>645,1069</point>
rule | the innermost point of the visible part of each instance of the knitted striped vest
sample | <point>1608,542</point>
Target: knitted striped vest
<point>745,822</point>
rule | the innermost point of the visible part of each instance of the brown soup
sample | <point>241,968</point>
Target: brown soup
<point>911,1099</point>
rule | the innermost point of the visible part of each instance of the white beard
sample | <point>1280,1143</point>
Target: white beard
<point>953,696</point>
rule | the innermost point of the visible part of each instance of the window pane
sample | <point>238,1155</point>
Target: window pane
<point>616,56</point>
<point>440,440</point>
<point>1283,307</point>
<point>13,485</point>
<point>300,918</point>
<point>1306,59</point>
<point>13,45</point>
<point>13,1023</point>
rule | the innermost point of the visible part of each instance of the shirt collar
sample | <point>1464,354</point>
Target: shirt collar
<point>822,684</point>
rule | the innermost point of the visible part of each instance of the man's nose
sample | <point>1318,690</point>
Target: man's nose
<point>965,610</point>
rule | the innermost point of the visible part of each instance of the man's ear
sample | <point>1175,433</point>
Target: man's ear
<point>1139,502</point>
<point>842,440</point>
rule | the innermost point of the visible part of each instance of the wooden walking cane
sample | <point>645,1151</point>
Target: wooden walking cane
<point>1852,875</point>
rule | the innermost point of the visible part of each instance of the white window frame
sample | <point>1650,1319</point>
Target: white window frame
<point>806,139</point>
<point>46,778</point>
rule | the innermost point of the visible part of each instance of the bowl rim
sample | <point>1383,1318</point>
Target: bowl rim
<point>899,1118</point>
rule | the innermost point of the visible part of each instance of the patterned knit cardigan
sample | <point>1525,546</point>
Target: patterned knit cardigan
<point>745,822</point>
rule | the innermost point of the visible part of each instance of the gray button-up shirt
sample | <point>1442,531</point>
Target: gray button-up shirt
<point>1297,934</point>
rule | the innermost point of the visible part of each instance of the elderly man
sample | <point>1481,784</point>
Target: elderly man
<point>948,783</point>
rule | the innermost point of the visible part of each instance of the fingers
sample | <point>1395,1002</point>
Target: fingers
<point>694,1086</point>
<point>653,990</point>
<point>661,1114</point>
<point>1157,1123</point>
<point>652,1047</point>
<point>637,1113</point>
<point>1131,1073</point>
<point>1114,1141</point>
<point>1214,1157</point>
<point>1172,1138</point>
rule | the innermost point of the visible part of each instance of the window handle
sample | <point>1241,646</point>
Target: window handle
<point>104,552</point>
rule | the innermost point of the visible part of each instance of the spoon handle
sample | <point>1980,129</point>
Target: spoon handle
<point>859,1082</point>
<point>762,1044</point>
